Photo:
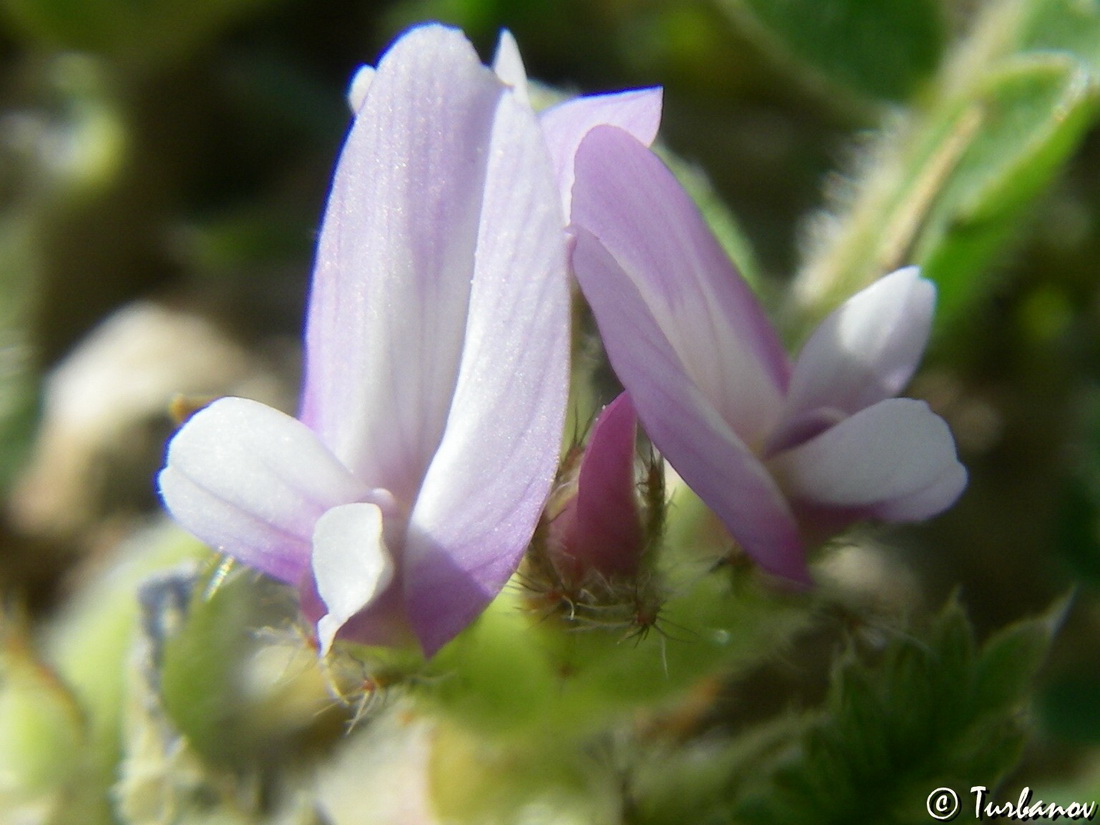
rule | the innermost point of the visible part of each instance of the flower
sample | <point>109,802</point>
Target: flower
<point>436,357</point>
<point>599,528</point>
<point>784,454</point>
<point>404,494</point>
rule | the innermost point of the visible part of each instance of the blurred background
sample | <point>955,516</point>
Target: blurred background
<point>163,168</point>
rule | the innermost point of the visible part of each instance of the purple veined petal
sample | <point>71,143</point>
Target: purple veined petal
<point>508,65</point>
<point>683,421</point>
<point>357,89</point>
<point>387,313</point>
<point>894,459</point>
<point>491,475</point>
<point>866,350</point>
<point>606,530</point>
<point>351,564</point>
<point>565,125</point>
<point>251,481</point>
<point>628,199</point>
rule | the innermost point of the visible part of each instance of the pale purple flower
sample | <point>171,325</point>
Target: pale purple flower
<point>784,454</point>
<point>404,494</point>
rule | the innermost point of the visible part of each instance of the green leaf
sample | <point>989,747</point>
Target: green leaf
<point>1029,116</point>
<point>43,736</point>
<point>18,378</point>
<point>695,780</point>
<point>1070,706</point>
<point>928,712</point>
<point>1078,524</point>
<point>165,766</point>
<point>90,640</point>
<point>153,32</point>
<point>199,655</point>
<point>877,50</point>
<point>1078,529</point>
<point>1071,26</point>
<point>951,193</point>
<point>1010,657</point>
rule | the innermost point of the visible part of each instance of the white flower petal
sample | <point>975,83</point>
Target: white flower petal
<point>895,459</point>
<point>867,349</point>
<point>251,482</point>
<point>508,65</point>
<point>351,564</point>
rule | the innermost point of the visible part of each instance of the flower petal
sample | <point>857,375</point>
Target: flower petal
<point>357,89</point>
<point>508,65</point>
<point>705,311</point>
<point>251,482</point>
<point>351,564</point>
<point>492,472</point>
<point>893,460</point>
<point>682,420</point>
<point>387,315</point>
<point>565,125</point>
<point>866,350</point>
<point>606,533</point>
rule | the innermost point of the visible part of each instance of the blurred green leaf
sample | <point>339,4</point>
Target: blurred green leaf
<point>1028,117</point>
<point>199,664</point>
<point>877,50</point>
<point>170,772</point>
<point>18,377</point>
<point>697,781</point>
<point>954,176</point>
<point>1070,706</point>
<point>150,33</point>
<point>930,712</point>
<point>1078,516</point>
<point>1079,529</point>
<point>515,672</point>
<point>1063,25</point>
<point>89,642</point>
<point>42,735</point>
<point>475,781</point>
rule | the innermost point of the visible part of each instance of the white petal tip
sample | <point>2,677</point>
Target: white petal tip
<point>508,65</point>
<point>357,90</point>
<point>351,564</point>
<point>327,629</point>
